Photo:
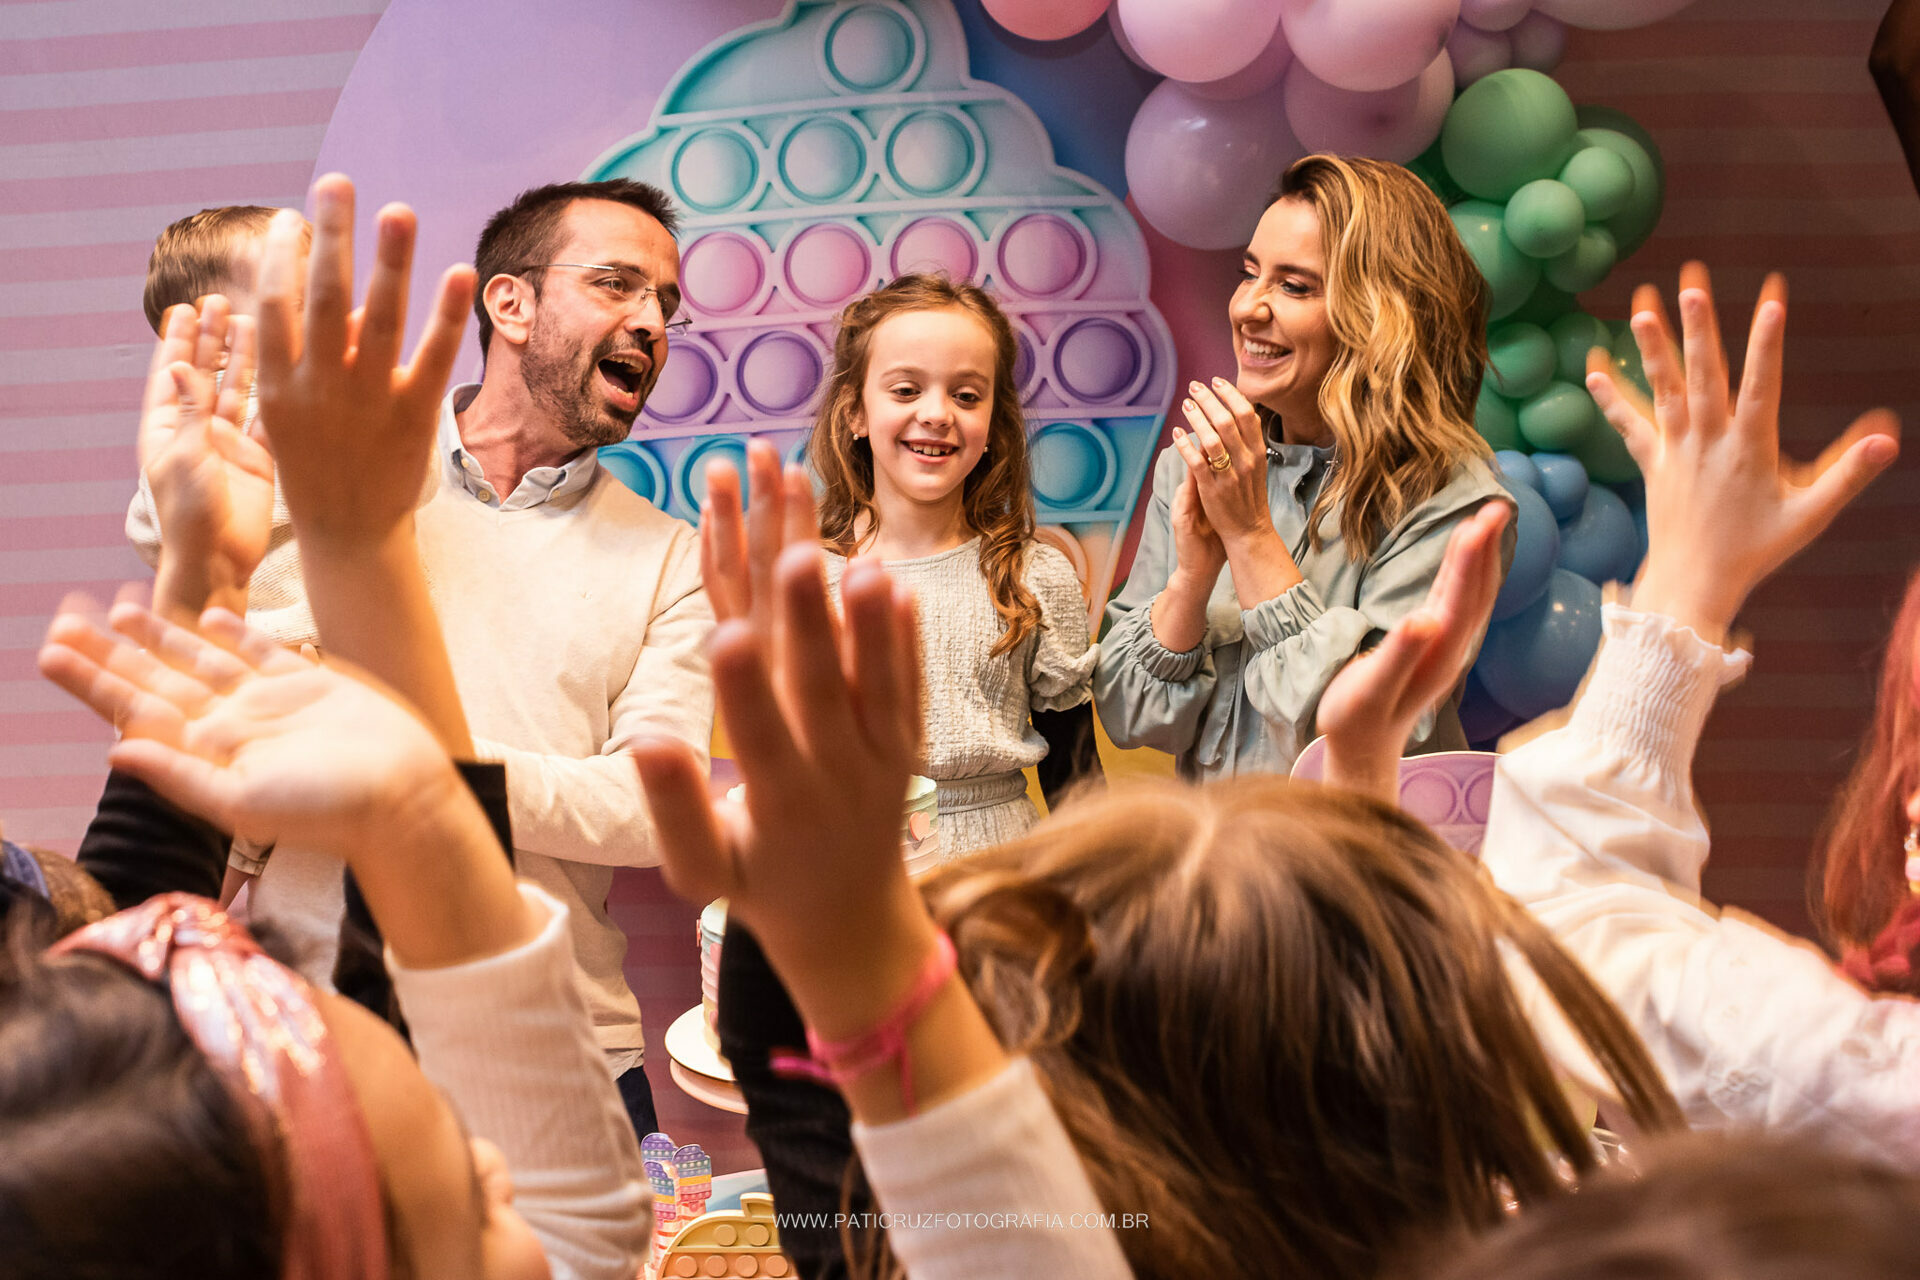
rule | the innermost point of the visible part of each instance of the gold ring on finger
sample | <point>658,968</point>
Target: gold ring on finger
<point>1220,461</point>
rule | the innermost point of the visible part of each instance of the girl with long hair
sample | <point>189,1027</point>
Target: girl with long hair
<point>921,451</point>
<point>1278,1023</point>
<point>1864,896</point>
<point>1304,505</point>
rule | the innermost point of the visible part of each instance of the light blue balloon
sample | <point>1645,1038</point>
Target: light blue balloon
<point>1482,719</point>
<point>1564,482</point>
<point>1536,549</point>
<point>1600,543</point>
<point>1532,662</point>
<point>1517,469</point>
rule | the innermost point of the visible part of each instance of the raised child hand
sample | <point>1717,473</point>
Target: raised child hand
<point>351,426</point>
<point>1371,707</point>
<point>272,746</point>
<point>212,483</point>
<point>1724,510</point>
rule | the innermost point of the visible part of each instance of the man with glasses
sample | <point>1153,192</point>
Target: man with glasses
<point>573,608</point>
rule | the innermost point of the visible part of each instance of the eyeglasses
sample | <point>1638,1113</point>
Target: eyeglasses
<point>620,284</point>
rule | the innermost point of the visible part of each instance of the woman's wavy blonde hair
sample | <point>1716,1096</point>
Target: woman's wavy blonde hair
<point>1409,309</point>
<point>997,495</point>
<point>1276,1019</point>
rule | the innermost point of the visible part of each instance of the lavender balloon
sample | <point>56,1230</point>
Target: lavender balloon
<point>1477,53</point>
<point>1610,15</point>
<point>1368,45</point>
<point>1197,40</point>
<point>1494,15</point>
<point>1539,42</point>
<point>1396,124</point>
<point>1200,170</point>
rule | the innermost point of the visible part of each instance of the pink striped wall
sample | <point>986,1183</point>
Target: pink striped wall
<point>117,116</point>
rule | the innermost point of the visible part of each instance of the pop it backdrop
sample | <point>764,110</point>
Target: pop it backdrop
<point>840,144</point>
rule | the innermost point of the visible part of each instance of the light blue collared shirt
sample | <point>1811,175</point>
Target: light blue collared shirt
<point>542,484</point>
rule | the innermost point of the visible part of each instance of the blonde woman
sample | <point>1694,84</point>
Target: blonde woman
<point>1304,507</point>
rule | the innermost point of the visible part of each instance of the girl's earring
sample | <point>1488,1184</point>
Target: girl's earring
<point>1912,847</point>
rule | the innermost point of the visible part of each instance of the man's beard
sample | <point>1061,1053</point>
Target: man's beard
<point>565,383</point>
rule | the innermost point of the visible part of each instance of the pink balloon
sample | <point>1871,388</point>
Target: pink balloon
<point>1046,19</point>
<point>1120,38</point>
<point>1200,169</point>
<point>1198,40</point>
<point>1368,45</point>
<point>1610,15</point>
<point>1539,42</point>
<point>1395,124</point>
<point>1262,73</point>
<point>1477,53</point>
<point>1494,15</point>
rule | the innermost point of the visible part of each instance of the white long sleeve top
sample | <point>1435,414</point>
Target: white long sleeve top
<point>1594,828</point>
<point>987,1183</point>
<point>510,1041</point>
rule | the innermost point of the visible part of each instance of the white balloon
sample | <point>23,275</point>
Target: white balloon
<point>1368,45</point>
<point>1494,15</point>
<point>1539,42</point>
<point>1610,15</point>
<point>1477,53</point>
<point>1394,124</point>
<point>1199,170</point>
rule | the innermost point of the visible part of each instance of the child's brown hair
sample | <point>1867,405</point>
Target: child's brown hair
<point>197,256</point>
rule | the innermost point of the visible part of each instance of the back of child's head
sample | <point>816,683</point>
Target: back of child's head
<point>998,493</point>
<point>51,893</point>
<point>212,251</point>
<point>1707,1207</point>
<point>122,1152</point>
<point>1276,1018</point>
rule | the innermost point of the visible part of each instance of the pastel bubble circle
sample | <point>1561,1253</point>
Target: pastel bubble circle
<point>1098,359</point>
<point>822,160</point>
<point>827,264</point>
<point>690,476</point>
<point>1479,797</point>
<point>687,383</point>
<point>929,153</point>
<point>938,245</point>
<point>1073,466</point>
<point>869,47</point>
<point>1024,361</point>
<point>778,371</point>
<point>715,169</point>
<point>1429,796</point>
<point>1042,255</point>
<point>635,466</point>
<point>721,272</point>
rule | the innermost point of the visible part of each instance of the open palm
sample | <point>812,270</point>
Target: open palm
<point>249,736</point>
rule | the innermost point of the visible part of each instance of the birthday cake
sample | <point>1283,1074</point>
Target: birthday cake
<point>818,155</point>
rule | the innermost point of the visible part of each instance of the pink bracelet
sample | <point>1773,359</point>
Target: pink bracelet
<point>844,1061</point>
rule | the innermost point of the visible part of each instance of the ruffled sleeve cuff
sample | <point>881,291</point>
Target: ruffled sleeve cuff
<point>1286,615</point>
<point>1154,658</point>
<point>1652,687</point>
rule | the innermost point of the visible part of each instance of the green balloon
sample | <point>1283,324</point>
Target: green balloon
<point>1573,336</point>
<point>1511,275</point>
<point>1586,264</point>
<point>1601,178</point>
<point>1432,170</point>
<point>1544,305</point>
<point>1506,130</point>
<point>1604,454</point>
<point>1636,218</point>
<point>1545,218</point>
<point>1559,419</point>
<point>1593,116</point>
<point>1519,360</point>
<point>1626,358</point>
<point>1494,419</point>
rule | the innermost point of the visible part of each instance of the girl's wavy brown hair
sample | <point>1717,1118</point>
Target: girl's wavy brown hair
<point>1276,1019</point>
<point>997,496</point>
<point>1409,309</point>
<point>1859,871</point>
